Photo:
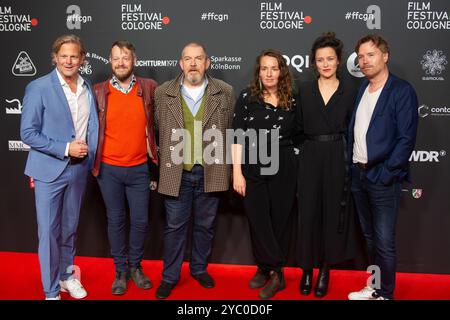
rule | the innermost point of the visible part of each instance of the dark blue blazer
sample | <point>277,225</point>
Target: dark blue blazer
<point>391,135</point>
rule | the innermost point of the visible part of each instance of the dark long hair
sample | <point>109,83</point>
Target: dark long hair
<point>284,90</point>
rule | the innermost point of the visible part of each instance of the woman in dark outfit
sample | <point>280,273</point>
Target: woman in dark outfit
<point>266,111</point>
<point>327,222</point>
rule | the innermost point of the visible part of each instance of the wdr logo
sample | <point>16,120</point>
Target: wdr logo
<point>426,156</point>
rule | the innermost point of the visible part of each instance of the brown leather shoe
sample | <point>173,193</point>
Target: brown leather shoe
<point>275,284</point>
<point>119,286</point>
<point>139,278</point>
<point>259,279</point>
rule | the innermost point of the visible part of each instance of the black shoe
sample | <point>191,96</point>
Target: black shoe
<point>204,279</point>
<point>259,279</point>
<point>306,282</point>
<point>164,289</point>
<point>275,284</point>
<point>322,283</point>
<point>139,278</point>
<point>119,286</point>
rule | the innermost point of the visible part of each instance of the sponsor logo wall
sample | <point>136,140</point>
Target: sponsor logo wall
<point>234,33</point>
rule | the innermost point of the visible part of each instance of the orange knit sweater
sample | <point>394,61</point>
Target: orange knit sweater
<point>125,139</point>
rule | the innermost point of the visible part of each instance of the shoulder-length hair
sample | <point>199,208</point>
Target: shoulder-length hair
<point>284,90</point>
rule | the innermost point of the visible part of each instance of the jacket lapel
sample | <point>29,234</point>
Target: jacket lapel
<point>334,99</point>
<point>173,93</point>
<point>381,102</point>
<point>327,109</point>
<point>174,101</point>
<point>318,97</point>
<point>211,102</point>
<point>143,94</point>
<point>92,106</point>
<point>362,88</point>
<point>62,97</point>
<point>92,132</point>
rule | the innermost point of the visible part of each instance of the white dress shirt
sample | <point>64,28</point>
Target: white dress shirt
<point>79,107</point>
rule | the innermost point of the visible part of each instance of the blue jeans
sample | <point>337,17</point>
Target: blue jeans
<point>378,207</point>
<point>118,184</point>
<point>192,196</point>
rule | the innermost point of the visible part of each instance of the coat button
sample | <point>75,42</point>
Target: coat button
<point>214,126</point>
<point>171,148</point>
<point>216,161</point>
<point>73,137</point>
<point>168,164</point>
<point>174,130</point>
<point>214,144</point>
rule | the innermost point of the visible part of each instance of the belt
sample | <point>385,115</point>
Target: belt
<point>361,166</point>
<point>325,137</point>
<point>74,161</point>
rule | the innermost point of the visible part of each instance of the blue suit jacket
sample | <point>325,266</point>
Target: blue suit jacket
<point>47,126</point>
<point>391,135</point>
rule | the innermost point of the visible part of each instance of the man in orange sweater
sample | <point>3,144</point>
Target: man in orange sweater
<point>126,143</point>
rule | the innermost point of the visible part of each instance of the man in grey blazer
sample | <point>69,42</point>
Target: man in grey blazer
<point>60,124</point>
<point>188,110</point>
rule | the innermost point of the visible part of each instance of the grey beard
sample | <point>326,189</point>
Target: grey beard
<point>194,80</point>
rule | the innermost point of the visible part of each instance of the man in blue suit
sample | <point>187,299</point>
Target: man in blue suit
<point>382,135</point>
<point>60,124</point>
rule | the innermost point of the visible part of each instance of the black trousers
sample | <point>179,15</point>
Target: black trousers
<point>269,205</point>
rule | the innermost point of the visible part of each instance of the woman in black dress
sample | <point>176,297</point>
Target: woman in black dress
<point>327,222</point>
<point>265,115</point>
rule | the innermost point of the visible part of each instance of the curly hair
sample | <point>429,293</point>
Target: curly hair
<point>284,90</point>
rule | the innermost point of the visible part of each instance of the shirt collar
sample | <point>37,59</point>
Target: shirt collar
<point>115,84</point>
<point>184,89</point>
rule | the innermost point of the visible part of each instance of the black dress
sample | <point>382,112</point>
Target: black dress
<point>269,198</point>
<point>327,222</point>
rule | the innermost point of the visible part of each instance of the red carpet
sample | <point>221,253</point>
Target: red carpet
<point>20,280</point>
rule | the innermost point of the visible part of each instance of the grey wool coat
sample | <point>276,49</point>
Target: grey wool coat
<point>217,115</point>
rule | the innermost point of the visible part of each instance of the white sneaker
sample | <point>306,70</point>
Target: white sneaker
<point>58,297</point>
<point>74,288</point>
<point>363,294</point>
